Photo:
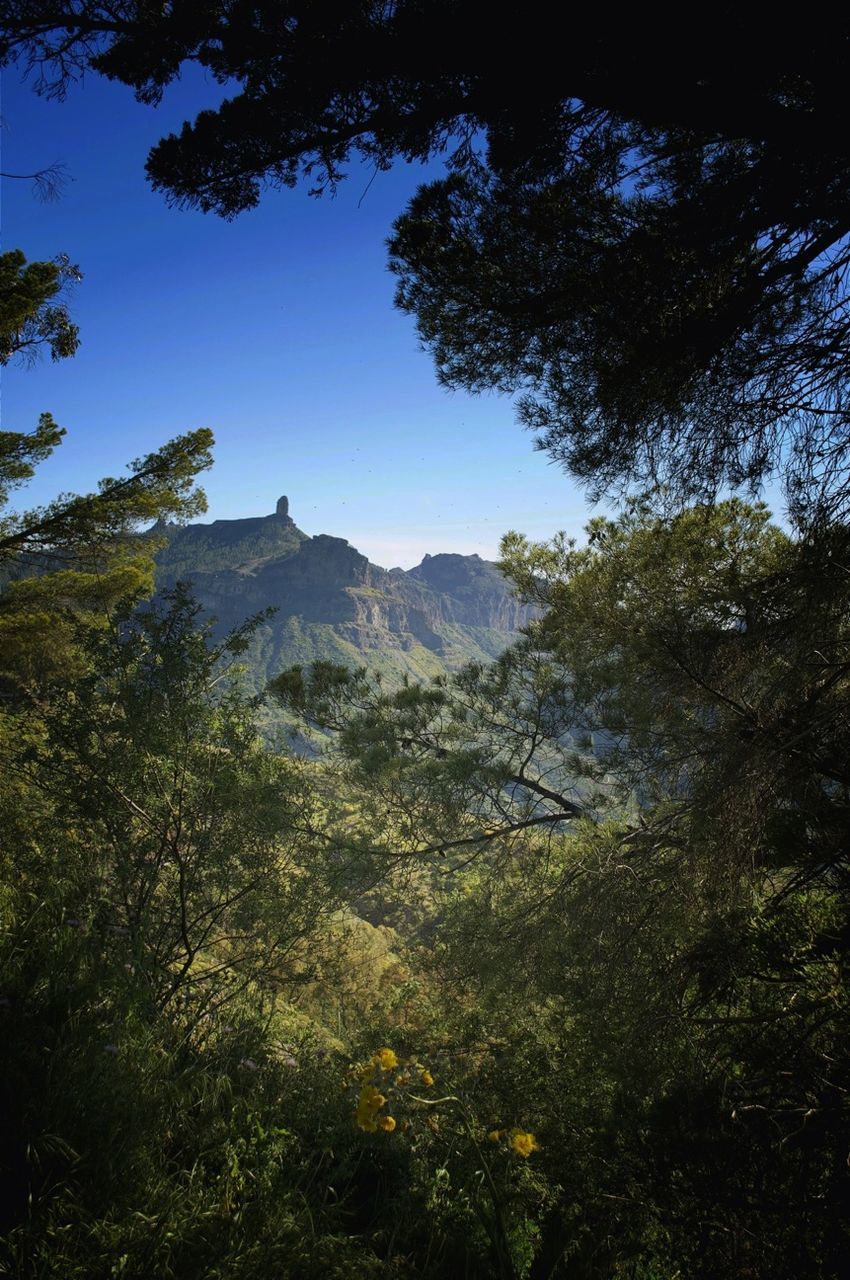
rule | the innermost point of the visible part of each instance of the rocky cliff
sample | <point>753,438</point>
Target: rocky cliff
<point>332,603</point>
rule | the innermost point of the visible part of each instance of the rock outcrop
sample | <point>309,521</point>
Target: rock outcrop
<point>332,603</point>
<point>282,512</point>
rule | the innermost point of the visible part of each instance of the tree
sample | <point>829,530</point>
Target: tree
<point>161,893</point>
<point>459,765</point>
<point>643,810</point>
<point>182,836</point>
<point>78,552</point>
<point>650,241</point>
<point>697,662</point>
<point>81,553</point>
<point>31,316</point>
<point>159,485</point>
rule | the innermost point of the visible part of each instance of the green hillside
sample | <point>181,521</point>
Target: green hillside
<point>333,604</point>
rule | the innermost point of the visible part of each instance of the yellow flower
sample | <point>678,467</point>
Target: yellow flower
<point>427,1079</point>
<point>385,1059</point>
<point>370,1097</point>
<point>495,1135</point>
<point>523,1143</point>
<point>387,1123</point>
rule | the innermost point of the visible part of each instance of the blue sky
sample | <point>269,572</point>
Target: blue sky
<point>277,331</point>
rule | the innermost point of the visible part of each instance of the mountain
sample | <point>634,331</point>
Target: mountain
<point>333,604</point>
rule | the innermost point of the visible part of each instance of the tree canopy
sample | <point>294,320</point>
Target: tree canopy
<point>642,811</point>
<point>32,314</point>
<point>82,552</point>
<point>649,242</point>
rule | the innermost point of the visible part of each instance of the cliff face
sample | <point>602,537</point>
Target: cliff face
<point>332,603</point>
<point>474,590</point>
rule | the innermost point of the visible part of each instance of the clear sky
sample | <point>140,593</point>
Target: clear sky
<point>276,330</point>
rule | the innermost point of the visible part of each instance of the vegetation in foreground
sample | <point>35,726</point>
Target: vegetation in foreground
<point>498,986</point>
<point>540,970</point>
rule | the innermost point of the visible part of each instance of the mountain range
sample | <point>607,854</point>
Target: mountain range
<point>331,603</point>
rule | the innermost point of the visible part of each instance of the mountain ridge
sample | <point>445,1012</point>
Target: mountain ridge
<point>332,603</point>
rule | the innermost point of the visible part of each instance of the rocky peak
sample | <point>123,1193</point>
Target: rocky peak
<point>282,512</point>
<point>332,604</point>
